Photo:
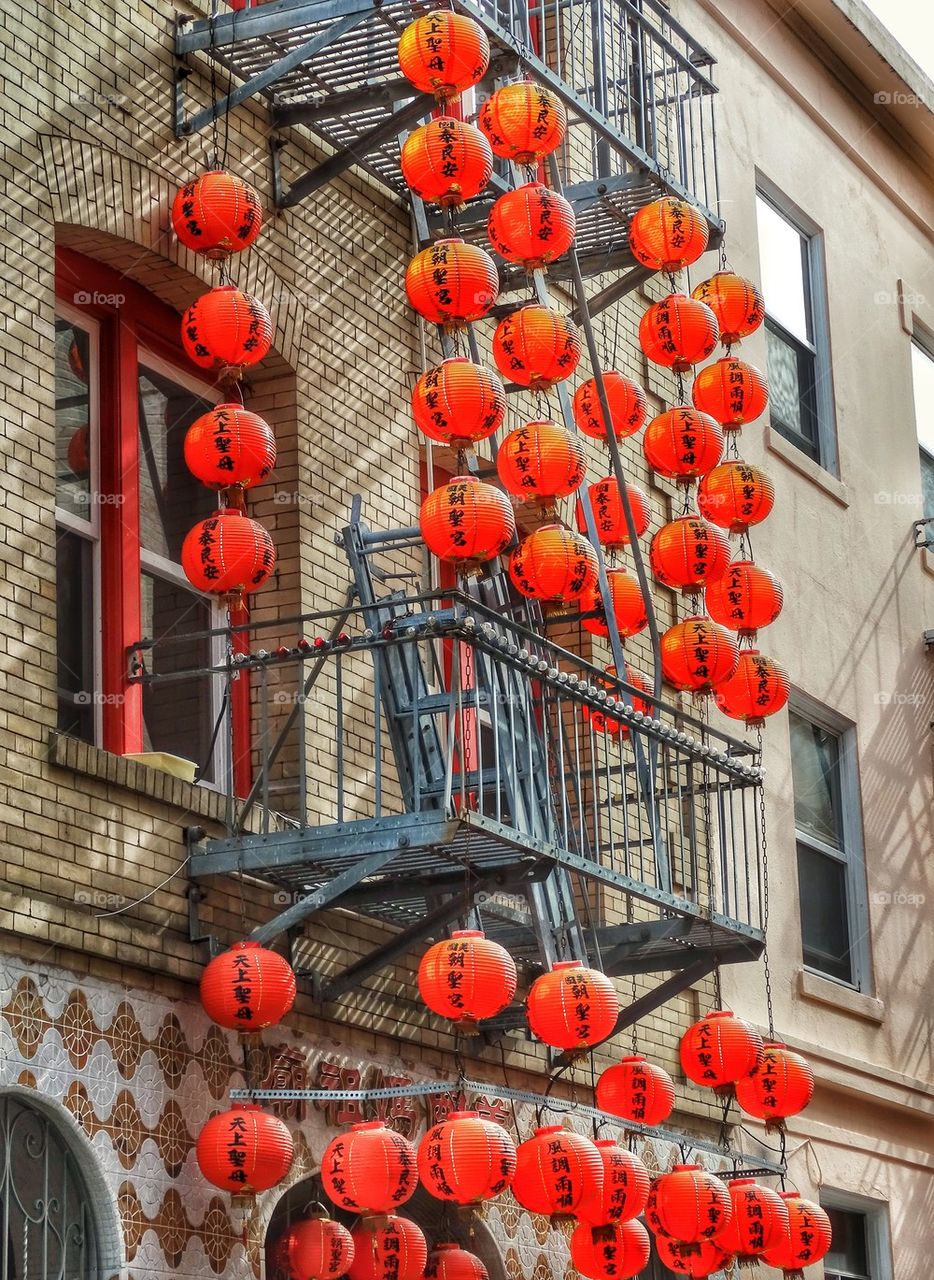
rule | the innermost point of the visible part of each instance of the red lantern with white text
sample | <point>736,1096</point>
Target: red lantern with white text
<point>616,1252</point>
<point>452,283</point>
<point>758,688</point>
<point>466,1160</point>
<point>688,553</point>
<point>227,330</point>
<point>394,1249</point>
<point>731,391</point>
<point>745,599</point>
<point>736,303</point>
<point>623,1189</point>
<point>688,1204</point>
<point>523,122</point>
<point>719,1050</point>
<point>556,1169</point>
<point>698,655</point>
<point>572,1007</point>
<point>244,1150</point>
<point>781,1086</point>
<point>536,347</point>
<point>458,402</point>
<point>217,214</point>
<point>228,554</point>
<point>467,978</point>
<point>668,234</point>
<point>682,444</point>
<point>446,161</point>
<point>554,565</point>
<point>628,406</point>
<point>370,1170</point>
<point>809,1237</point>
<point>229,445</point>
<point>248,988</point>
<point>635,1089</point>
<point>678,332</point>
<point>735,496</point>
<point>444,53</point>
<point>759,1220</point>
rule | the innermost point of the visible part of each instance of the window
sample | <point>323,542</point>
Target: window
<point>831,873</point>
<point>792,274</point>
<point>860,1238</point>
<point>922,377</point>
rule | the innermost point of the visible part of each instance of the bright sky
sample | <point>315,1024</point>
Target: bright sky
<point>911,22</point>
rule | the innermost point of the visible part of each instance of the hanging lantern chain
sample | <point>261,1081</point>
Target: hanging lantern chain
<point>765,910</point>
<point>708,852</point>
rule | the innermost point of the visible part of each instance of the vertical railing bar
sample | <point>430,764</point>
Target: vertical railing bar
<point>495,696</point>
<point>377,735</point>
<point>339,729</point>
<point>559,714</point>
<point>264,741</point>
<point>478,736</point>
<point>302,725</point>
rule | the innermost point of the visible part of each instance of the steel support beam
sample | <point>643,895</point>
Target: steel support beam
<point>264,20</point>
<point>635,278</point>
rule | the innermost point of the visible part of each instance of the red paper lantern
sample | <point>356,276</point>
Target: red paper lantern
<point>683,444</point>
<point>623,1188</point>
<point>555,1170</point>
<point>248,987</point>
<point>229,445</point>
<point>370,1170</point>
<point>391,1250</point>
<point>536,347</point>
<point>458,402</point>
<point>444,53</point>
<point>758,688</point>
<point>554,565</point>
<point>698,1259</point>
<point>466,1160</point>
<point>217,215</point>
<point>809,1237</point>
<point>79,452</point>
<point>615,1252</point>
<point>735,496</point>
<point>532,225</point>
<point>668,234</point>
<point>781,1086</point>
<point>610,519</point>
<point>452,283</point>
<point>688,1204</point>
<point>627,601</point>
<point>759,1220</point>
<point>446,161</point>
<point>736,303</point>
<point>603,723</point>
<point>731,391</point>
<point>635,1089</point>
<point>317,1248</point>
<point>628,406</point>
<point>678,332</point>
<point>244,1150</point>
<point>226,329</point>
<point>572,1007</point>
<point>523,122</point>
<point>466,522</point>
<point>698,654</point>
<point>451,1262</point>
<point>745,599</point>
<point>717,1051</point>
<point>467,978</point>
<point>688,553</point>
<point>541,461</point>
<point>76,361</point>
<point>228,554</point>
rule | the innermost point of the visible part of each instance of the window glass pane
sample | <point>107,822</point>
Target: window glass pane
<point>782,258</point>
<point>171,500</point>
<point>848,1253</point>
<point>75,644</point>
<point>825,929</point>
<point>922,374</point>
<point>179,717</point>
<point>792,407</point>
<point>72,420</point>
<point>815,765</point>
<point>927,482</point>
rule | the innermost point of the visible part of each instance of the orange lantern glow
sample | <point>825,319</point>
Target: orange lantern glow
<point>452,283</point>
<point>217,215</point>
<point>371,1170</point>
<point>745,599</point>
<point>556,1169</point>
<point>451,1262</point>
<point>317,1248</point>
<point>466,1160</point>
<point>536,347</point>
<point>79,452</point>
<point>572,1007</point>
<point>719,1050</point>
<point>628,406</point>
<point>610,519</point>
<point>688,1204</point>
<point>248,987</point>
<point>229,445</point>
<point>444,53</point>
<point>757,689</point>
<point>228,554</point>
<point>698,654</point>
<point>668,234</point>
<point>683,444</point>
<point>623,1188</point>
<point>227,330</point>
<point>458,402</point>
<point>554,565</point>
<point>541,462</point>
<point>781,1086</point>
<point>603,723</point>
<point>467,978</point>
<point>532,225</point>
<point>635,1089</point>
<point>446,161</point>
<point>628,605</point>
<point>615,1252</point>
<point>759,1221</point>
<point>466,522</point>
<point>688,553</point>
<point>808,1240</point>
<point>678,332</point>
<point>735,496</point>
<point>736,303</point>
<point>394,1249</point>
<point>731,391</point>
<point>523,122</point>
<point>244,1150</point>
<point>698,1259</point>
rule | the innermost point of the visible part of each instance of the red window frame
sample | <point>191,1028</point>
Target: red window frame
<point>139,321</point>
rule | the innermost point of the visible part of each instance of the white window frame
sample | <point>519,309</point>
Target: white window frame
<point>816,298</point>
<point>878,1234</point>
<point>924,341</point>
<point>852,855</point>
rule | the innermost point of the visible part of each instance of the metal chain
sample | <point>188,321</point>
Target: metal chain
<point>765,899</point>
<point>708,852</point>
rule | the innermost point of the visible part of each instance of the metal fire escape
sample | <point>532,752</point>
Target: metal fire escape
<point>466,768</point>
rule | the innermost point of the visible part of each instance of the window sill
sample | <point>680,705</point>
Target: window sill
<point>823,991</point>
<point>810,469</point>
